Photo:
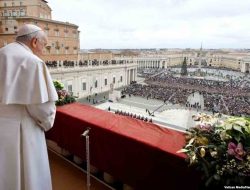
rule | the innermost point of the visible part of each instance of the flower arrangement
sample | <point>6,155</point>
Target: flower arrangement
<point>64,97</point>
<point>220,149</point>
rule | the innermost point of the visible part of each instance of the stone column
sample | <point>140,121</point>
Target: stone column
<point>131,75</point>
<point>242,68</point>
<point>128,76</point>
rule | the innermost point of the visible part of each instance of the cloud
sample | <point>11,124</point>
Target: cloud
<point>158,23</point>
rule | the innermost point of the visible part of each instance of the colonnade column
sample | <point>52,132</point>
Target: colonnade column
<point>131,75</point>
<point>135,73</point>
<point>128,76</point>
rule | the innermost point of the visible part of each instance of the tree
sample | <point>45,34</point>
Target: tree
<point>184,67</point>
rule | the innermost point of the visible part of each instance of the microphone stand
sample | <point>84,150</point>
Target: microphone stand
<point>86,135</point>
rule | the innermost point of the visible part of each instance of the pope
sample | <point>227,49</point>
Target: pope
<point>27,109</point>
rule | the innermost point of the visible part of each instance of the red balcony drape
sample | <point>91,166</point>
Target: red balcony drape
<point>135,152</point>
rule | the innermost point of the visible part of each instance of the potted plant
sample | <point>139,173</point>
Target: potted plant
<point>220,149</point>
<point>64,97</point>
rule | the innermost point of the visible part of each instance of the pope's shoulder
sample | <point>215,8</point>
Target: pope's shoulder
<point>19,53</point>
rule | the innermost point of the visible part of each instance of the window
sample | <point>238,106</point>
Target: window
<point>15,27</point>
<point>96,84</point>
<point>22,13</point>
<point>70,88</point>
<point>46,32</point>
<point>84,86</point>
<point>66,31</point>
<point>6,29</point>
<point>14,13</point>
<point>21,3</point>
<point>114,80</point>
<point>48,49</point>
<point>57,33</point>
<point>121,79</point>
<point>13,4</point>
<point>5,4</point>
<point>106,82</point>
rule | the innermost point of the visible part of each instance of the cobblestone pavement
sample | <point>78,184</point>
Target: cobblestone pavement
<point>165,114</point>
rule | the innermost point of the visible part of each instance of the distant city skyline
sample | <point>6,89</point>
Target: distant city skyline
<point>135,24</point>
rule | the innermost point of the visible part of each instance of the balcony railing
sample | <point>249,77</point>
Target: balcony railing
<point>138,153</point>
<point>82,65</point>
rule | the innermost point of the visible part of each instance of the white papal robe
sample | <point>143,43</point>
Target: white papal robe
<point>27,109</point>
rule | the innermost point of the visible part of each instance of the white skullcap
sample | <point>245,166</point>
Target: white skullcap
<point>27,29</point>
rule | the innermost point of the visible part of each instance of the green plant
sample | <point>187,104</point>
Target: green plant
<point>184,71</point>
<point>64,97</point>
<point>220,149</point>
<point>58,85</point>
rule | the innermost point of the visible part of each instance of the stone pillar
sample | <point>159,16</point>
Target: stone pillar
<point>243,67</point>
<point>135,73</point>
<point>125,77</point>
<point>128,77</point>
<point>247,67</point>
<point>131,75</point>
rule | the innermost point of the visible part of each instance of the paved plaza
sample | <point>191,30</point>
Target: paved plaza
<point>163,114</point>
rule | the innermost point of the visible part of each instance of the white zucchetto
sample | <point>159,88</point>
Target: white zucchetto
<point>28,29</point>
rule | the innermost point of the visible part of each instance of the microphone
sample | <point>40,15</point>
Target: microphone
<point>86,132</point>
<point>86,135</point>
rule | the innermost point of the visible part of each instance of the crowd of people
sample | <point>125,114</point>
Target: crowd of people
<point>229,97</point>
<point>147,72</point>
<point>210,86</point>
<point>142,118</point>
<point>65,63</point>
<point>94,62</point>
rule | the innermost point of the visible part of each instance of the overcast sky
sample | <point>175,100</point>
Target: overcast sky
<point>157,23</point>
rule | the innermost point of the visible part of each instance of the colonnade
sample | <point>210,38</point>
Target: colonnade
<point>131,75</point>
<point>151,63</point>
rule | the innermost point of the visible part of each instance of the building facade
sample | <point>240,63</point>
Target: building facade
<point>63,36</point>
<point>92,78</point>
<point>239,62</point>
